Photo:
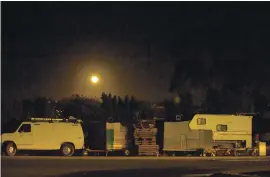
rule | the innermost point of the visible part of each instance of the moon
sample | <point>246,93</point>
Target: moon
<point>94,79</point>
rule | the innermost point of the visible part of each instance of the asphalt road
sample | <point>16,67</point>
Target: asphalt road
<point>23,166</point>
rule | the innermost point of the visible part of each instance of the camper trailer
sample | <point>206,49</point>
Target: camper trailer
<point>228,131</point>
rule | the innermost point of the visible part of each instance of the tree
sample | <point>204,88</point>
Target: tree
<point>115,108</point>
<point>235,78</point>
<point>5,113</point>
<point>188,78</point>
<point>110,106</point>
<point>120,101</point>
<point>44,107</point>
<point>186,107</point>
<point>134,107</point>
<point>40,104</point>
<point>107,104</point>
<point>146,111</point>
<point>260,102</point>
<point>213,101</point>
<point>246,78</point>
<point>127,112</point>
<point>28,108</point>
<point>121,108</point>
<point>16,110</point>
<point>87,109</point>
<point>104,99</point>
<point>170,110</point>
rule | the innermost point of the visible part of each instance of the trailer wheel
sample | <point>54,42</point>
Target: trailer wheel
<point>213,154</point>
<point>84,153</point>
<point>157,154</point>
<point>204,154</point>
<point>96,153</point>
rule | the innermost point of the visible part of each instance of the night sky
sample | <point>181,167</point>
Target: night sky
<point>50,49</point>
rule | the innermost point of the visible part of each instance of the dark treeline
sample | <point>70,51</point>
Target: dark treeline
<point>110,108</point>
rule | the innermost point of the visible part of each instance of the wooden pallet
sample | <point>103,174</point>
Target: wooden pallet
<point>147,148</point>
<point>145,134</point>
<point>146,142</point>
<point>144,130</point>
<point>145,124</point>
<point>148,153</point>
<point>153,142</point>
<point>139,144</point>
<point>144,137</point>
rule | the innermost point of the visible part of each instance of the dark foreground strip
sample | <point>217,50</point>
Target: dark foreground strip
<point>158,173</point>
<point>253,174</point>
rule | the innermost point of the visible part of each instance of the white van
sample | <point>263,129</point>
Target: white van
<point>45,134</point>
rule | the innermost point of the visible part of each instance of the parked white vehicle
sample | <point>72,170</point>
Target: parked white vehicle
<point>45,134</point>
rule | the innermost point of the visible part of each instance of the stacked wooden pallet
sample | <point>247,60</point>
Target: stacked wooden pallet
<point>145,138</point>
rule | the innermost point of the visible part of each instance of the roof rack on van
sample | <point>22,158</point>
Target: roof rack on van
<point>70,119</point>
<point>247,114</point>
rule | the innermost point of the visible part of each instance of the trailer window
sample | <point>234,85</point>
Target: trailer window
<point>222,128</point>
<point>201,121</point>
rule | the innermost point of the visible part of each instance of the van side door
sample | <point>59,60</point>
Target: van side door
<point>25,136</point>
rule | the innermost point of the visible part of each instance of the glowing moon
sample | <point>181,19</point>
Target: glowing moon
<point>94,79</point>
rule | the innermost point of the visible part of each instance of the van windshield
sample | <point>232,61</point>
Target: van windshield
<point>10,127</point>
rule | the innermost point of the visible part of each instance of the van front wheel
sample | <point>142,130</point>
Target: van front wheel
<point>67,149</point>
<point>10,149</point>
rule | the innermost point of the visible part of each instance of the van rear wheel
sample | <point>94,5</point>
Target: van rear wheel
<point>67,149</point>
<point>10,149</point>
